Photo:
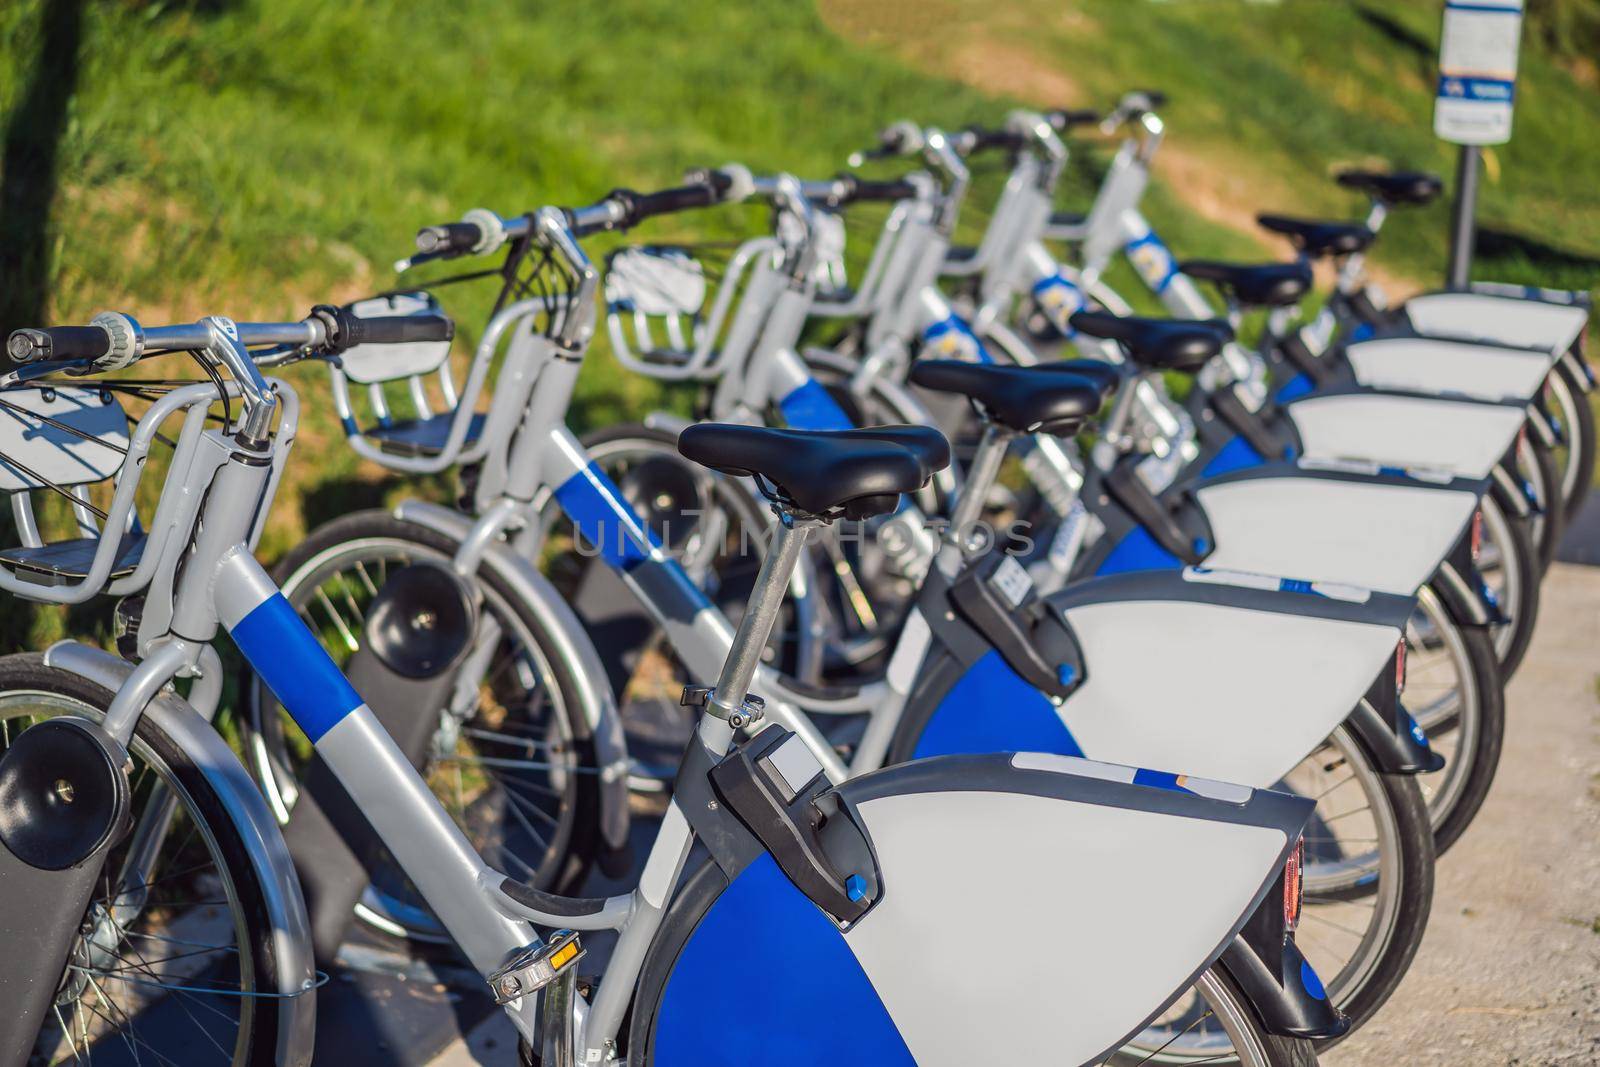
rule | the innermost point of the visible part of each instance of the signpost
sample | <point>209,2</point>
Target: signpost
<point>1477,90</point>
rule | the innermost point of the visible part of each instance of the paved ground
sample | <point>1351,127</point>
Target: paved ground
<point>1509,972</point>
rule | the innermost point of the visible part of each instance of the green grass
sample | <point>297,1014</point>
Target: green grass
<point>252,158</point>
<point>1279,94</point>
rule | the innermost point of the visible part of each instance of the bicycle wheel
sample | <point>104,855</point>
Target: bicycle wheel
<point>1214,1004</point>
<point>514,768</point>
<point>1216,1008</point>
<point>172,950</point>
<point>1576,454</point>
<point>1538,465</point>
<point>1455,693</point>
<point>1368,873</point>
<point>1510,565</point>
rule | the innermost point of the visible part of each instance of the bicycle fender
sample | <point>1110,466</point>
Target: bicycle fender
<point>1041,865</point>
<point>1379,531</point>
<point>1508,320</point>
<point>269,856</point>
<point>1432,366</point>
<point>1464,437</point>
<point>596,700</point>
<point>1276,978</point>
<point>1256,671</point>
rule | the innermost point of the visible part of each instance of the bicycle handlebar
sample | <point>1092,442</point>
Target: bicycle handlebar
<point>328,330</point>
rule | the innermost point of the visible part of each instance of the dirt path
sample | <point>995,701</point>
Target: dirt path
<point>1509,972</point>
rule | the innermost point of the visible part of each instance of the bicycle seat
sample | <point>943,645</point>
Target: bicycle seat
<point>1042,399</point>
<point>1105,376</point>
<point>1318,238</point>
<point>1254,285</point>
<point>859,472</point>
<point>1397,187</point>
<point>421,437</point>
<point>1182,345</point>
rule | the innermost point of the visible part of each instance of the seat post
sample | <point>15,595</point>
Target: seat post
<point>1113,441</point>
<point>744,656</point>
<point>981,476</point>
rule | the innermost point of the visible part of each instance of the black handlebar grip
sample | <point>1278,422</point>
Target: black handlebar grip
<point>450,238</point>
<point>1067,118</point>
<point>345,330</point>
<point>984,139</point>
<point>860,191</point>
<point>642,206</point>
<point>396,329</point>
<point>59,342</point>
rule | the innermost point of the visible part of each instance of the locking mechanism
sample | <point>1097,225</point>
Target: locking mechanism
<point>536,967</point>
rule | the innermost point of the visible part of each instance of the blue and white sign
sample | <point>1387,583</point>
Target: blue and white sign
<point>1477,71</point>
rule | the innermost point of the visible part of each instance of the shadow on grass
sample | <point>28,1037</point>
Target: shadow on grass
<point>30,163</point>
<point>1505,245</point>
<point>330,500</point>
<point>1402,35</point>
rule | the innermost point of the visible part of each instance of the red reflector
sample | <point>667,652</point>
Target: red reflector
<point>1400,667</point>
<point>1293,884</point>
<point>1477,534</point>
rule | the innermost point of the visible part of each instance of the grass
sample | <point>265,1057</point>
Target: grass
<point>1268,99</point>
<point>252,158</point>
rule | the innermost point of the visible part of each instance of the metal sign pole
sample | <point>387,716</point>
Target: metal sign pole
<point>1463,219</point>
<point>1478,46</point>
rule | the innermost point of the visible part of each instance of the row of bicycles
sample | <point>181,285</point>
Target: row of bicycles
<point>987,674</point>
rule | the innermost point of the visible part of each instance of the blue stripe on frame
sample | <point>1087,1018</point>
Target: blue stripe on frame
<point>809,407</point>
<point>1238,454</point>
<point>604,518</point>
<point>1296,387</point>
<point>992,709</point>
<point>967,342</point>
<point>813,1004</point>
<point>295,666</point>
<point>1138,551</point>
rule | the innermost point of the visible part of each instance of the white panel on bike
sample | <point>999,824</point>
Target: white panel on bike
<point>1464,437</point>
<point>655,281</point>
<point>828,239</point>
<point>1389,538</point>
<point>1428,365</point>
<point>1065,923</point>
<point>370,364</point>
<point>1242,695</point>
<point>1498,319</point>
<point>54,454</point>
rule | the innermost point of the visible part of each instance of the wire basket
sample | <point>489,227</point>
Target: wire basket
<point>79,444</point>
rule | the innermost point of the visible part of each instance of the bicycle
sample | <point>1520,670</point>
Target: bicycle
<point>1127,525</point>
<point>1399,365</point>
<point>521,419</point>
<point>836,893</point>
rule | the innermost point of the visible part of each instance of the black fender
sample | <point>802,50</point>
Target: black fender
<point>269,856</point>
<point>1280,985</point>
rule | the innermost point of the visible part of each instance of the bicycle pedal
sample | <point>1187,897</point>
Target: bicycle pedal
<point>536,967</point>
